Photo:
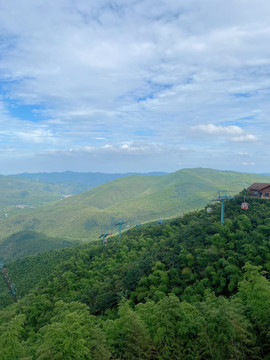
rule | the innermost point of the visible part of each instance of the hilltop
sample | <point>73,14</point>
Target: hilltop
<point>134,199</point>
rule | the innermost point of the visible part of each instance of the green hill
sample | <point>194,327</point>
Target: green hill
<point>189,289</point>
<point>25,273</point>
<point>19,192</point>
<point>26,242</point>
<point>75,182</point>
<point>134,198</point>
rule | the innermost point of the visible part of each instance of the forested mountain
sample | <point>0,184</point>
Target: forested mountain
<point>25,273</point>
<point>19,192</point>
<point>27,242</point>
<point>77,182</point>
<point>37,188</point>
<point>135,199</point>
<point>187,289</point>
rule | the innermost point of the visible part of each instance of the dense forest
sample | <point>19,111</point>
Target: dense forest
<point>25,273</point>
<point>188,289</point>
<point>23,243</point>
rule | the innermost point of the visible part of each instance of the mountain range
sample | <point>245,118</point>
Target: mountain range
<point>133,199</point>
<point>74,182</point>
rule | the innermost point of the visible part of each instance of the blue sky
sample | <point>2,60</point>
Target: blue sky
<point>121,86</point>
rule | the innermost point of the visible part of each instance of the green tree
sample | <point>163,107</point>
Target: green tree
<point>128,336</point>
<point>71,334</point>
<point>174,327</point>
<point>156,285</point>
<point>254,290</point>
<point>11,347</point>
<point>227,332</point>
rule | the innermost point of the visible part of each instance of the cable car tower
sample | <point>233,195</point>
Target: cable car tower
<point>103,236</point>
<point>222,196</point>
<point>119,224</point>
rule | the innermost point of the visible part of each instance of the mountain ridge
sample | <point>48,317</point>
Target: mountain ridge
<point>81,181</point>
<point>134,198</point>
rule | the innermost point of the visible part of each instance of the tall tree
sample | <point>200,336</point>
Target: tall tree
<point>129,337</point>
<point>71,334</point>
<point>254,290</point>
<point>11,347</point>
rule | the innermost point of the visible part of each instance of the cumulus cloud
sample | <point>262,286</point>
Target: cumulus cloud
<point>235,133</point>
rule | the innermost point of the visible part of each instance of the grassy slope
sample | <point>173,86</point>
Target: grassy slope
<point>134,198</point>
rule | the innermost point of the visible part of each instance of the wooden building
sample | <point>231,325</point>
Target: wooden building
<point>260,190</point>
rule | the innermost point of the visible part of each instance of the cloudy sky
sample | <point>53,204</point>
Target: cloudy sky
<point>134,85</point>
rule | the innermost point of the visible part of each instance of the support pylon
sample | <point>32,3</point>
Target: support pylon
<point>119,224</point>
<point>103,236</point>
<point>222,196</point>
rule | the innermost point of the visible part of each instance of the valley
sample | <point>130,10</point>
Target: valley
<point>83,217</point>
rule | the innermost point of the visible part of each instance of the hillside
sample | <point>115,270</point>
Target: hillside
<point>25,273</point>
<point>27,242</point>
<point>189,289</point>
<point>5,295</point>
<point>19,192</point>
<point>134,199</point>
<point>75,182</point>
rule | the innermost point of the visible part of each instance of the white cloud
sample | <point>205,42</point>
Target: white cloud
<point>36,136</point>
<point>131,148</point>
<point>245,138</point>
<point>235,133</point>
<point>218,129</point>
<point>248,164</point>
<point>117,73</point>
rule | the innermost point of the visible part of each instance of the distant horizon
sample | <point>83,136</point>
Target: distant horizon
<point>129,172</point>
